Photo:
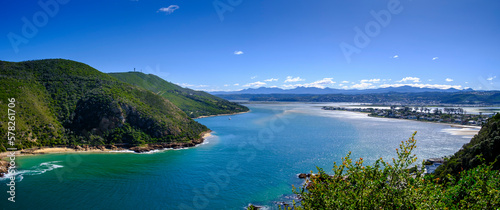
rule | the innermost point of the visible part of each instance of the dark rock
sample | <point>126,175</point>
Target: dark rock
<point>303,176</point>
<point>252,207</point>
<point>4,167</point>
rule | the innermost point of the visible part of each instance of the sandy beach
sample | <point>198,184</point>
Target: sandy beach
<point>455,129</point>
<point>216,115</point>
<point>54,150</point>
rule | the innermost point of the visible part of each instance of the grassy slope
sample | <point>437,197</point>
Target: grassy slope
<point>194,103</point>
<point>62,102</point>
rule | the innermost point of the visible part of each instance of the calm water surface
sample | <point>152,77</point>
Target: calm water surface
<point>252,158</point>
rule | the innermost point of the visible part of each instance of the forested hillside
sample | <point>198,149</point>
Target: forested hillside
<point>486,143</point>
<point>193,103</point>
<point>61,102</point>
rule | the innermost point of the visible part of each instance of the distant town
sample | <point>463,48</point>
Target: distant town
<point>441,115</point>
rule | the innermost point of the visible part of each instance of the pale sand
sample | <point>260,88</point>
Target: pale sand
<point>54,150</point>
<point>456,129</point>
<point>215,115</point>
<point>49,150</point>
<point>461,131</point>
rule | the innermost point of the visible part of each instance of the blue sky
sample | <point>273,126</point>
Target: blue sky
<point>237,44</point>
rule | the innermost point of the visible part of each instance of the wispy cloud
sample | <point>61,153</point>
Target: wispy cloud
<point>345,81</point>
<point>435,58</point>
<point>449,80</point>
<point>253,77</point>
<point>491,78</point>
<point>271,80</point>
<point>255,84</point>
<point>236,84</point>
<point>292,79</point>
<point>238,52</point>
<point>370,81</point>
<point>169,9</point>
<point>435,86</point>
<point>395,56</point>
<point>413,79</point>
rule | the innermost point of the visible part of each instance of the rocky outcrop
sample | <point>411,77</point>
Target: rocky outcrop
<point>151,147</point>
<point>175,145</point>
<point>303,176</point>
<point>4,167</point>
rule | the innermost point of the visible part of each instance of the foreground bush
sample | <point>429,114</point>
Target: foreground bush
<point>391,185</point>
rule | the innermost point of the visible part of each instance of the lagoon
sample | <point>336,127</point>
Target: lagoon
<point>250,158</point>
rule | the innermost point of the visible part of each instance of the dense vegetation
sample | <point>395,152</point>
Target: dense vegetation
<point>193,103</point>
<point>63,102</point>
<point>485,143</point>
<point>398,185</point>
<point>472,97</point>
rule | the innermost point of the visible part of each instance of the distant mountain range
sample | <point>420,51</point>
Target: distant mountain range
<point>316,91</point>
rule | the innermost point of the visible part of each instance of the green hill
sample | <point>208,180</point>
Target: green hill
<point>485,143</point>
<point>193,103</point>
<point>62,102</point>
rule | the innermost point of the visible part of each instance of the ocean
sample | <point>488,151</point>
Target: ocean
<point>250,158</point>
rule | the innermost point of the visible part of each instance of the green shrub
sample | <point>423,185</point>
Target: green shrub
<point>394,185</point>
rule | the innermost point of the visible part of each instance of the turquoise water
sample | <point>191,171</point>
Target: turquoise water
<point>252,158</point>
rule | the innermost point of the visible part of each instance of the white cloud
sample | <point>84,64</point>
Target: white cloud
<point>191,86</point>
<point>414,79</point>
<point>255,84</point>
<point>345,81</point>
<point>253,77</point>
<point>429,80</point>
<point>291,86</point>
<point>226,85</point>
<point>236,84</point>
<point>271,80</point>
<point>370,80</point>
<point>435,86</point>
<point>491,78</point>
<point>435,58</point>
<point>449,80</point>
<point>396,56</point>
<point>317,84</point>
<point>239,52</point>
<point>321,83</point>
<point>169,9</point>
<point>291,79</point>
<point>363,86</point>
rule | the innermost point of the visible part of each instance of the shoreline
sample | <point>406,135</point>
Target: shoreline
<point>106,149</point>
<point>438,123</point>
<point>216,115</point>
<point>109,149</point>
